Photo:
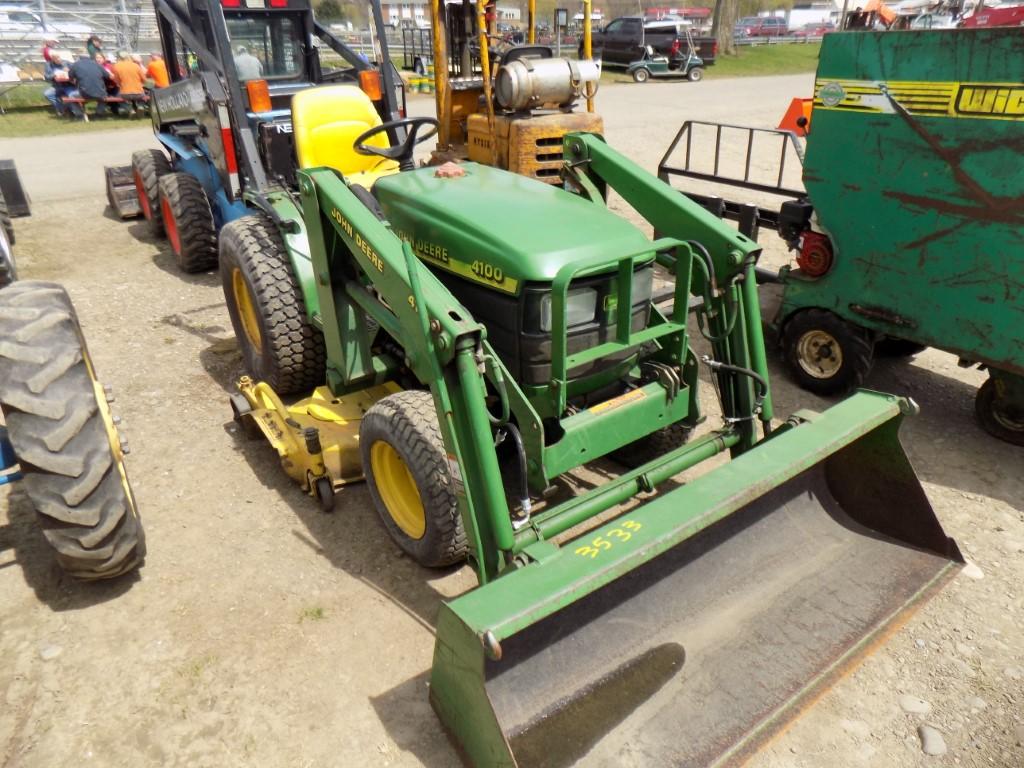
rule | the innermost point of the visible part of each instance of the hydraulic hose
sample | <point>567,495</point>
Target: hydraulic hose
<point>760,385</point>
<point>524,489</point>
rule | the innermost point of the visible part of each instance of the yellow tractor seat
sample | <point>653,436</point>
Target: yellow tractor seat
<point>326,121</point>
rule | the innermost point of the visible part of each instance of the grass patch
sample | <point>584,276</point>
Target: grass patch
<point>25,95</point>
<point>755,60</point>
<point>43,122</point>
<point>315,613</point>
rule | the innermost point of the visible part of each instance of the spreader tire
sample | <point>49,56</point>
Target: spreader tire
<point>63,435</point>
<point>826,354</point>
<point>148,165</point>
<point>188,222</point>
<point>266,307</point>
<point>654,445</point>
<point>410,480</point>
<point>997,416</point>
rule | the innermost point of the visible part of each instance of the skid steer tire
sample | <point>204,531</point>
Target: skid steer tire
<point>63,435</point>
<point>264,299</point>
<point>826,354</point>
<point>188,222</point>
<point>5,220</point>
<point>654,445</point>
<point>410,480</point>
<point>148,165</point>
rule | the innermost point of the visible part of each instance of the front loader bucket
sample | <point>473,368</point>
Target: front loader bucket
<point>730,603</point>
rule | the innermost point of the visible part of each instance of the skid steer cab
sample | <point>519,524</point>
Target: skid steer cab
<point>465,339</point>
<point>224,123</point>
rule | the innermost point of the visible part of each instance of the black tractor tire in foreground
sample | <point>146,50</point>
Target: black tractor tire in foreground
<point>148,165</point>
<point>63,435</point>
<point>5,220</point>
<point>826,354</point>
<point>264,299</point>
<point>410,480</point>
<point>654,445</point>
<point>998,417</point>
<point>188,222</point>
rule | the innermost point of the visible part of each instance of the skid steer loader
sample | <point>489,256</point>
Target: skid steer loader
<point>475,335</point>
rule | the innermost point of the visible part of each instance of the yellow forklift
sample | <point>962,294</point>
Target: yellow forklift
<point>507,106</point>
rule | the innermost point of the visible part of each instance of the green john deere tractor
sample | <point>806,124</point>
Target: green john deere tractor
<point>473,335</point>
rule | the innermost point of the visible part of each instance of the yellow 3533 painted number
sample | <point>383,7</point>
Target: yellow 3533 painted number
<point>623,532</point>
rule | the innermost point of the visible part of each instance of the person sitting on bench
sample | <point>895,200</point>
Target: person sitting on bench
<point>128,76</point>
<point>90,80</point>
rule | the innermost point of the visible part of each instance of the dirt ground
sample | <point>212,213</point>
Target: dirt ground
<point>262,632</point>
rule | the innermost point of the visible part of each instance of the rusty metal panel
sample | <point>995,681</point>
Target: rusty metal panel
<point>915,167</point>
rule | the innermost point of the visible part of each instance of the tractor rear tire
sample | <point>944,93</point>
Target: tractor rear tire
<point>409,478</point>
<point>5,220</point>
<point>1000,419</point>
<point>826,354</point>
<point>264,300</point>
<point>148,165</point>
<point>188,222</point>
<point>63,435</point>
<point>654,445</point>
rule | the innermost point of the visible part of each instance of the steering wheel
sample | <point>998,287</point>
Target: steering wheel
<point>403,152</point>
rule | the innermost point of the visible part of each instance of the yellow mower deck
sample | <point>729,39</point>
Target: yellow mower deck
<point>336,420</point>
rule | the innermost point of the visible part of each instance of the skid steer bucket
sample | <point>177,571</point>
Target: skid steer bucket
<point>689,629</point>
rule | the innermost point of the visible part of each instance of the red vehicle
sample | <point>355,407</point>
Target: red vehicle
<point>761,26</point>
<point>996,17</point>
<point>817,29</point>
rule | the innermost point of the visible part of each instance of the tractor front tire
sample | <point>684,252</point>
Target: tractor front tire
<point>997,416</point>
<point>656,444</point>
<point>188,222</point>
<point>410,480</point>
<point>148,165</point>
<point>826,354</point>
<point>63,435</point>
<point>264,300</point>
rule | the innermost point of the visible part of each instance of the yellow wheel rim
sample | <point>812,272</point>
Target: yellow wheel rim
<point>398,490</point>
<point>246,308</point>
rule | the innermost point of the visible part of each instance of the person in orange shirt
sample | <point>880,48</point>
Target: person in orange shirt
<point>157,70</point>
<point>129,81</point>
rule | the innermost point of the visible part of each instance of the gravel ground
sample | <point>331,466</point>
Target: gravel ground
<point>261,632</point>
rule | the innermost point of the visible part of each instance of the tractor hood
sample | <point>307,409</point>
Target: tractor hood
<point>501,229</point>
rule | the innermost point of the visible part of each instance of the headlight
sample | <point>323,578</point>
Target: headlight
<point>643,286</point>
<point>580,307</point>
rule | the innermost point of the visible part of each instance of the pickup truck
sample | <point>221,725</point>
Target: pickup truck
<point>623,41</point>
